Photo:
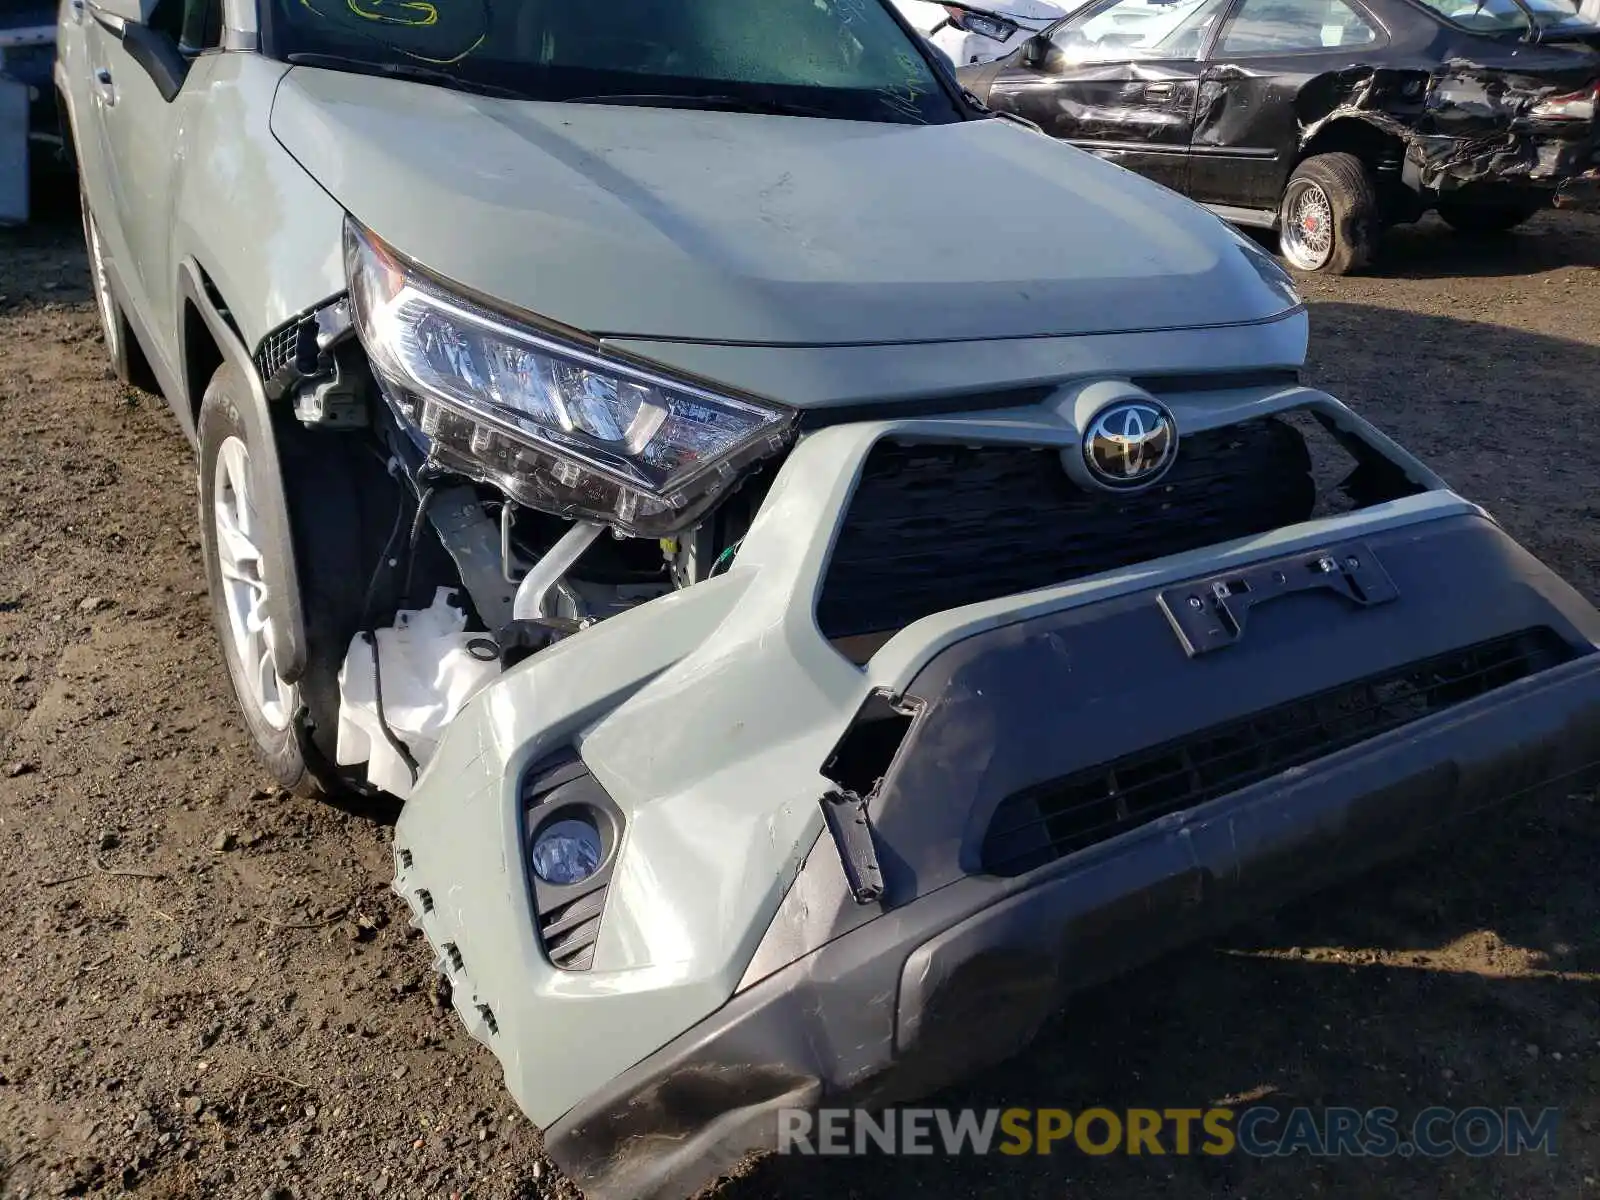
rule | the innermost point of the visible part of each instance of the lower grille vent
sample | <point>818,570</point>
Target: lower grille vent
<point>1058,818</point>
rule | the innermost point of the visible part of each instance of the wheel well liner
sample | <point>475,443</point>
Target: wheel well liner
<point>201,358</point>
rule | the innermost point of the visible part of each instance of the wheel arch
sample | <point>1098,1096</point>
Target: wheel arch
<point>200,351</point>
<point>209,340</point>
<point>1380,151</point>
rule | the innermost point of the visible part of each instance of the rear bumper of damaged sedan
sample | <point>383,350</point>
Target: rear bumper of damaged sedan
<point>1060,783</point>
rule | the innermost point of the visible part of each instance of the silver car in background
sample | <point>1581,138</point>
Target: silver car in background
<point>969,34</point>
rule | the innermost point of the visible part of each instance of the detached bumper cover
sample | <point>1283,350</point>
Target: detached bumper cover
<point>732,971</point>
<point>978,966</point>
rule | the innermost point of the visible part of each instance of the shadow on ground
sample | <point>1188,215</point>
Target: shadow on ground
<point>1432,250</point>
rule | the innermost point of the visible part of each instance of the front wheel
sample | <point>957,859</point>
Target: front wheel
<point>341,508</point>
<point>1329,219</point>
<point>241,581</point>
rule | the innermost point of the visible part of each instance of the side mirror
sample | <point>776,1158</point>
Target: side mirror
<point>155,52</point>
<point>1036,51</point>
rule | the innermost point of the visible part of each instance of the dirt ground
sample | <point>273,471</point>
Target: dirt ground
<point>207,991</point>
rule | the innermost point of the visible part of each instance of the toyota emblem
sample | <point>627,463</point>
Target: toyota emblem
<point>1131,444</point>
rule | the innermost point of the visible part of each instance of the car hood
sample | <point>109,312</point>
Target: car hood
<point>740,228</point>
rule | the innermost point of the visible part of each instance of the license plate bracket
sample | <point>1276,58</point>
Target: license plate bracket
<point>1210,614</point>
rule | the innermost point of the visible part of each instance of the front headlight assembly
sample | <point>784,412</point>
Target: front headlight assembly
<point>553,425</point>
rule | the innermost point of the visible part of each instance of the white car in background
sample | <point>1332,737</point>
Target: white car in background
<point>979,34</point>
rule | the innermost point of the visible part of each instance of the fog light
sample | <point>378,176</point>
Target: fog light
<point>567,851</point>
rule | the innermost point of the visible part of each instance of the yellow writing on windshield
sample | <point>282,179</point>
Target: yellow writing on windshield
<point>408,15</point>
<point>415,13</point>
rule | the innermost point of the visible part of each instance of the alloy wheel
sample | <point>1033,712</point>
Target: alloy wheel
<point>1307,234</point>
<point>244,585</point>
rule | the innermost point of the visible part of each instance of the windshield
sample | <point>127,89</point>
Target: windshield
<point>837,58</point>
<point>1508,16</point>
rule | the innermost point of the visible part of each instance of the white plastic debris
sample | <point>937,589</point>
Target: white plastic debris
<point>429,667</point>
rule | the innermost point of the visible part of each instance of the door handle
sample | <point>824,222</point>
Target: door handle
<point>104,90</point>
<point>1158,91</point>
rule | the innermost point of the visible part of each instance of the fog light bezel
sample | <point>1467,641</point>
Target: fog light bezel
<point>554,790</point>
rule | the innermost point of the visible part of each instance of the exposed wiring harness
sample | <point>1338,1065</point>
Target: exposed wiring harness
<point>724,560</point>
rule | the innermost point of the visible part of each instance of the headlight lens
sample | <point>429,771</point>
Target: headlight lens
<point>567,851</point>
<point>555,426</point>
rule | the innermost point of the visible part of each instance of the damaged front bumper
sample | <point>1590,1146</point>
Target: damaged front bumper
<point>1059,784</point>
<point>965,978</point>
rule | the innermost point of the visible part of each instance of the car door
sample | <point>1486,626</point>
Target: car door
<point>75,32</point>
<point>1119,78</point>
<point>142,85</point>
<point>1246,129</point>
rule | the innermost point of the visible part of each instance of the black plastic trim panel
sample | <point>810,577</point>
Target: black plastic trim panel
<point>1051,820</point>
<point>569,916</point>
<point>1039,700</point>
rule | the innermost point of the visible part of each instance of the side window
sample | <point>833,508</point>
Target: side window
<point>1293,26</point>
<point>1484,16</point>
<point>167,17</point>
<point>202,26</point>
<point>1124,30</point>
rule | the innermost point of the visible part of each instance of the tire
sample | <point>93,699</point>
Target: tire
<point>1486,220</point>
<point>334,488</point>
<point>128,362</point>
<point>1329,219</point>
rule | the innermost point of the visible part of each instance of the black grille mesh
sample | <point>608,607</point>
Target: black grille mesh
<point>933,527</point>
<point>277,350</point>
<point>1055,819</point>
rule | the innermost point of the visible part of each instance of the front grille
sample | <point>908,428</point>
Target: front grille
<point>1055,819</point>
<point>278,350</point>
<point>933,527</point>
<point>569,932</point>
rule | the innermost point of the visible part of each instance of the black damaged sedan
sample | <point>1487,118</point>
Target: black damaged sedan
<point>1326,120</point>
